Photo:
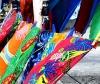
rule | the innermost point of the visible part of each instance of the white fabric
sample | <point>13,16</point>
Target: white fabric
<point>37,7</point>
<point>75,14</point>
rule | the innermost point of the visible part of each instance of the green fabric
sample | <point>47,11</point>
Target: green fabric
<point>95,26</point>
<point>18,62</point>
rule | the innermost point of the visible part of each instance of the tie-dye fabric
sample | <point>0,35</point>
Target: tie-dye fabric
<point>18,62</point>
<point>12,46</point>
<point>51,68</point>
<point>35,57</point>
<point>45,40</point>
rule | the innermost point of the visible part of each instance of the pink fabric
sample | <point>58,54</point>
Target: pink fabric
<point>7,26</point>
<point>36,69</point>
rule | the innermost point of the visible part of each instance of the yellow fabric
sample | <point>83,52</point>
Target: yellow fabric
<point>40,80</point>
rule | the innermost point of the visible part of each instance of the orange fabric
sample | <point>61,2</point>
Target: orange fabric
<point>12,46</point>
<point>16,41</point>
<point>3,64</point>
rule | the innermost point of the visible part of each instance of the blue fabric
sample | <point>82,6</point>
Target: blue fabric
<point>62,11</point>
<point>53,3</point>
<point>71,32</point>
<point>53,28</point>
<point>5,1</point>
<point>35,57</point>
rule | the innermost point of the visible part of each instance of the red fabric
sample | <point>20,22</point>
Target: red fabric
<point>96,44</point>
<point>26,7</point>
<point>7,26</point>
<point>83,15</point>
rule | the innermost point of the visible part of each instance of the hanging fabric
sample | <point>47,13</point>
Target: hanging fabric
<point>62,12</point>
<point>53,3</point>
<point>26,55</point>
<point>12,31</point>
<point>19,60</point>
<point>6,27</point>
<point>43,56</point>
<point>26,7</point>
<point>75,14</point>
<point>10,49</point>
<point>43,38</point>
<point>39,53</point>
<point>95,25</point>
<point>54,65</point>
<point>83,19</point>
<point>25,47</point>
<point>37,7</point>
